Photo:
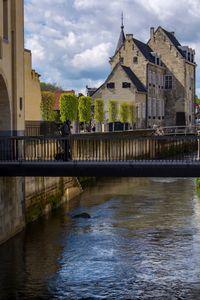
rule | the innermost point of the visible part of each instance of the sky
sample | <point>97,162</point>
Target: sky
<point>71,40</point>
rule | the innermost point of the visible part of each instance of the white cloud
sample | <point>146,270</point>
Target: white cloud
<point>92,58</point>
<point>72,40</point>
<point>37,50</point>
<point>67,41</point>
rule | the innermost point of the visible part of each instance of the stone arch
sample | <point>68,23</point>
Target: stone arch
<point>5,114</point>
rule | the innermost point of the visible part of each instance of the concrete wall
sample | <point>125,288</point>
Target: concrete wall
<point>32,90</point>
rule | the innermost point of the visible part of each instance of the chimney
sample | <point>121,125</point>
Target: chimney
<point>129,36</point>
<point>152,32</point>
<point>172,32</point>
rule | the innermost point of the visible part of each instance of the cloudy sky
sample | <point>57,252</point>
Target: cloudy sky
<point>71,40</point>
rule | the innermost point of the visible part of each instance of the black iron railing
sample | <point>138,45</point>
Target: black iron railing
<point>100,147</point>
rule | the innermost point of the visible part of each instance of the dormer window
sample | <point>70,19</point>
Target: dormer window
<point>157,61</point>
<point>135,59</point>
<point>189,56</point>
<point>126,85</point>
<point>110,85</point>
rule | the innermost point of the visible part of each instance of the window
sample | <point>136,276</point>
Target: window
<point>135,59</point>
<point>189,56</point>
<point>1,48</point>
<point>110,85</point>
<point>20,103</point>
<point>168,82</point>
<point>157,61</point>
<point>121,60</point>
<point>126,85</point>
<point>5,19</point>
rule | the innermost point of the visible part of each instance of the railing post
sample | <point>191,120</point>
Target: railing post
<point>198,154</point>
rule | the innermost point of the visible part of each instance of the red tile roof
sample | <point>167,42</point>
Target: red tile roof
<point>57,97</point>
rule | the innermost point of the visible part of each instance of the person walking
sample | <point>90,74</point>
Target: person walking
<point>66,132</point>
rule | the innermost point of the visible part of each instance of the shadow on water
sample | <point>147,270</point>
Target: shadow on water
<point>141,242</point>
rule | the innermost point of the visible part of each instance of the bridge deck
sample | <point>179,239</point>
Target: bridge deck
<point>101,155</point>
<point>105,169</point>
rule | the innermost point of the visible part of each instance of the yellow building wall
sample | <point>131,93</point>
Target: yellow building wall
<point>32,90</point>
<point>12,70</point>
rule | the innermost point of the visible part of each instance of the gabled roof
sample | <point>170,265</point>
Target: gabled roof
<point>174,41</point>
<point>135,80</point>
<point>146,50</point>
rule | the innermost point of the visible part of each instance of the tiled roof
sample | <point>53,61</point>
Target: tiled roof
<point>121,40</point>
<point>174,41</point>
<point>145,49</point>
<point>135,80</point>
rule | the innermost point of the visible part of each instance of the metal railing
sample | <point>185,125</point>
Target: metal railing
<point>100,147</point>
<point>179,130</point>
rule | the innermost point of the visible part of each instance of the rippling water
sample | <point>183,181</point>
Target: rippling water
<point>141,242</point>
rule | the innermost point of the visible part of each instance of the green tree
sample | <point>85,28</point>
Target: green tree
<point>99,110</point>
<point>123,113</point>
<point>112,111</point>
<point>131,114</point>
<point>51,87</point>
<point>46,106</point>
<point>84,109</point>
<point>68,107</point>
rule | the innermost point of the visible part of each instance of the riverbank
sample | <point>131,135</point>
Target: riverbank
<point>141,242</point>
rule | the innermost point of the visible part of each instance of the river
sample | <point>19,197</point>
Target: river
<point>141,242</point>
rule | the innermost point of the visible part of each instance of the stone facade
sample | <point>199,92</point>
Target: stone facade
<point>42,194</point>
<point>167,71</point>
<point>179,63</point>
<point>32,90</point>
<point>130,95</point>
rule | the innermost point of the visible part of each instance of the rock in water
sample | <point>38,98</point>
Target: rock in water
<point>82,215</point>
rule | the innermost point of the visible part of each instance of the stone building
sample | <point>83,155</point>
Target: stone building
<point>158,78</point>
<point>32,90</point>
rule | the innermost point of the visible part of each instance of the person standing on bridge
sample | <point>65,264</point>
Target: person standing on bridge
<point>66,132</point>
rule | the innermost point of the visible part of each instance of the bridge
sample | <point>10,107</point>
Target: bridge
<point>101,154</point>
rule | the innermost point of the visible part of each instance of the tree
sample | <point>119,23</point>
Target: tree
<point>84,109</point>
<point>46,106</point>
<point>131,114</point>
<point>99,110</point>
<point>112,111</point>
<point>51,87</point>
<point>123,113</point>
<point>68,107</point>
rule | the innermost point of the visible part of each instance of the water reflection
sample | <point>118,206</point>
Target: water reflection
<point>142,242</point>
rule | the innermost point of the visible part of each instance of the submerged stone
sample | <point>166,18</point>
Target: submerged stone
<point>82,215</point>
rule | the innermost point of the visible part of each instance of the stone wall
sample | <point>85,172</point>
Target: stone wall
<point>11,207</point>
<point>23,200</point>
<point>42,194</point>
